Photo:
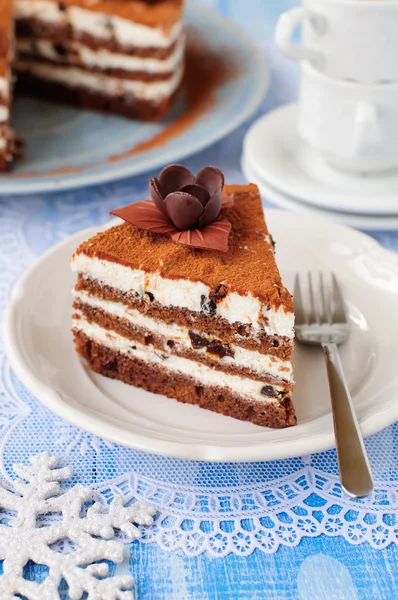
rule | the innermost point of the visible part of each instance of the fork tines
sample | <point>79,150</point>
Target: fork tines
<point>325,301</point>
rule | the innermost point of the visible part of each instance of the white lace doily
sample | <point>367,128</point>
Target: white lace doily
<point>221,508</point>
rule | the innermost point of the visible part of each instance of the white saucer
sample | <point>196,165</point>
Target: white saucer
<point>39,346</point>
<point>366,222</point>
<point>273,148</point>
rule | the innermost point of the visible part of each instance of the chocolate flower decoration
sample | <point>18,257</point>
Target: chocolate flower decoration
<point>187,208</point>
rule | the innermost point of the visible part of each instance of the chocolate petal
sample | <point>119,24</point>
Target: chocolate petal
<point>145,215</point>
<point>211,178</point>
<point>198,191</point>
<point>212,237</point>
<point>183,209</point>
<point>212,209</point>
<point>156,195</point>
<point>173,178</point>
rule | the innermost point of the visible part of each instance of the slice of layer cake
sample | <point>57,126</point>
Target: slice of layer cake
<point>125,57</point>
<point>204,326</point>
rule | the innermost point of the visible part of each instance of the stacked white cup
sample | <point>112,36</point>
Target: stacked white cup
<point>348,102</point>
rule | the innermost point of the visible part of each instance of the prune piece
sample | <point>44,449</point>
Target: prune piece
<point>221,350</point>
<point>209,307</point>
<point>197,341</point>
<point>269,391</point>
<point>111,365</point>
<point>219,293</point>
<point>60,49</point>
<point>108,24</point>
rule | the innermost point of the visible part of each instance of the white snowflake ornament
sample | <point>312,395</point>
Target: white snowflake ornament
<point>30,537</point>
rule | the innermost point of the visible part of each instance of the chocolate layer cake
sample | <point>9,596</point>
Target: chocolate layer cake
<point>120,56</point>
<point>203,326</point>
<point>8,147</point>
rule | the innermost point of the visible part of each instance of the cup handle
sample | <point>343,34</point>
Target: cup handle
<point>366,138</point>
<point>287,24</point>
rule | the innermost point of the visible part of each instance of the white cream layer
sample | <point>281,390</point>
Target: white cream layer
<point>4,114</point>
<point>75,77</point>
<point>4,87</point>
<point>186,294</point>
<point>262,364</point>
<point>203,374</point>
<point>99,25</point>
<point>103,59</point>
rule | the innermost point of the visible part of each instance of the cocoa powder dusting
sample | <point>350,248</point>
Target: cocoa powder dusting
<point>60,171</point>
<point>205,72</point>
<point>249,263</point>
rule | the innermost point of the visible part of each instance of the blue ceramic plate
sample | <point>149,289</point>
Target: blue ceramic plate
<point>69,148</point>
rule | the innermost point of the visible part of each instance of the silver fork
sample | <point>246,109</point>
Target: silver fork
<point>324,322</point>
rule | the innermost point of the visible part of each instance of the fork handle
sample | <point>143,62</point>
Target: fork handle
<point>355,473</point>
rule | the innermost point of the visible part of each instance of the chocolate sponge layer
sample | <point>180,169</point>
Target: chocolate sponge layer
<point>157,379</point>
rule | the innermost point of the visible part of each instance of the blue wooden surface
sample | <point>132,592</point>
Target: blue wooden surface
<point>318,569</point>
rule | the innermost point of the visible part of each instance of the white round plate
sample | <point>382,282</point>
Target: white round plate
<point>366,222</point>
<point>273,148</point>
<point>40,349</point>
<point>71,147</point>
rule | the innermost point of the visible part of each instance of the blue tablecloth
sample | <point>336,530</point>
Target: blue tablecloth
<point>329,565</point>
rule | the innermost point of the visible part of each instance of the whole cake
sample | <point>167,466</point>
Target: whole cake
<point>185,299</point>
<point>120,56</point>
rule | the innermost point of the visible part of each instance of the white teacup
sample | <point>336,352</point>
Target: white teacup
<point>346,39</point>
<point>354,126</point>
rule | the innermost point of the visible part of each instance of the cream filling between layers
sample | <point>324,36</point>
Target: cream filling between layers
<point>75,77</point>
<point>187,294</point>
<point>4,114</point>
<point>4,88</point>
<point>99,25</point>
<point>103,59</point>
<point>242,386</point>
<point>263,364</point>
